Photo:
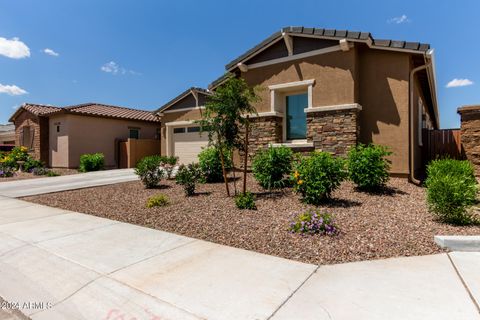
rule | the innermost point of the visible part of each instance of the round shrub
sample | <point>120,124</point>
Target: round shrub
<point>317,176</point>
<point>158,200</point>
<point>188,176</point>
<point>245,201</point>
<point>451,190</point>
<point>368,167</point>
<point>91,162</point>
<point>32,164</point>
<point>149,170</point>
<point>211,164</point>
<point>271,167</point>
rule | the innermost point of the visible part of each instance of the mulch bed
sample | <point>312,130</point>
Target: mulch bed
<point>28,175</point>
<point>372,226</point>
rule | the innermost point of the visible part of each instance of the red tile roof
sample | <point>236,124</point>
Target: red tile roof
<point>90,109</point>
<point>103,110</point>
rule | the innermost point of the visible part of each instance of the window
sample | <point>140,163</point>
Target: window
<point>133,134</point>
<point>26,137</point>
<point>157,134</point>
<point>296,116</point>
<point>58,128</point>
<point>193,129</point>
<point>178,130</point>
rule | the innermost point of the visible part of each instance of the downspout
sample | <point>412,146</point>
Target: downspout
<point>411,120</point>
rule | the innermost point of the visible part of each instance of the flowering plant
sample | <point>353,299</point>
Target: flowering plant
<point>314,222</point>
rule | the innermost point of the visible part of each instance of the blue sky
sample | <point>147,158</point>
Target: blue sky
<point>141,54</point>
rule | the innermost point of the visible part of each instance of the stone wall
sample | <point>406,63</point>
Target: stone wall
<point>263,131</point>
<point>333,131</point>
<point>38,146</point>
<point>470,134</point>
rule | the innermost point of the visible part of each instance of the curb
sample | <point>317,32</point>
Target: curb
<point>459,243</point>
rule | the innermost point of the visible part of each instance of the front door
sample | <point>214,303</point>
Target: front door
<point>296,116</point>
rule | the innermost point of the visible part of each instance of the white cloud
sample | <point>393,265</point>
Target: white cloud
<point>50,52</point>
<point>398,20</point>
<point>113,68</point>
<point>15,107</point>
<point>13,48</point>
<point>12,90</point>
<point>459,83</point>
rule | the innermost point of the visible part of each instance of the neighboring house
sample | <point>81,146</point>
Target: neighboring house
<point>7,134</point>
<point>325,90</point>
<point>59,136</point>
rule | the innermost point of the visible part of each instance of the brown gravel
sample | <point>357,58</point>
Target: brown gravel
<point>395,223</point>
<point>26,175</point>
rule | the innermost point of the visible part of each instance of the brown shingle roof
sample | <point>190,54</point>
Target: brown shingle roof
<point>104,110</point>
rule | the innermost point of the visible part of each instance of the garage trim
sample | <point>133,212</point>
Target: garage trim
<point>169,134</point>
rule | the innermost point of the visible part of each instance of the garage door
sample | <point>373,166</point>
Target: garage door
<point>188,143</point>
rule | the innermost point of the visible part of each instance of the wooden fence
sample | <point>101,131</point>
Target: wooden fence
<point>442,143</point>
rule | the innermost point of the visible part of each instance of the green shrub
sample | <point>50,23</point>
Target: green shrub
<point>31,164</point>
<point>271,166</point>
<point>211,164</point>
<point>17,154</point>
<point>451,190</point>
<point>170,160</point>
<point>188,176</point>
<point>316,176</point>
<point>51,173</point>
<point>158,200</point>
<point>368,166</point>
<point>245,201</point>
<point>149,170</point>
<point>6,171</point>
<point>91,162</point>
<point>314,222</point>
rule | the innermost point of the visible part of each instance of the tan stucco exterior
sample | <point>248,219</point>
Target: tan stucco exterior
<point>377,80</point>
<point>80,134</point>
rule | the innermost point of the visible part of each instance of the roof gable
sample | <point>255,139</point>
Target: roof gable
<point>274,41</point>
<point>186,100</point>
<point>36,109</point>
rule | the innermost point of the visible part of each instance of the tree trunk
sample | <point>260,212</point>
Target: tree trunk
<point>234,177</point>
<point>246,156</point>
<point>223,169</point>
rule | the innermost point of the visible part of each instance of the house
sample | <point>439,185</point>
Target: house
<point>324,90</point>
<point>7,134</point>
<point>60,135</point>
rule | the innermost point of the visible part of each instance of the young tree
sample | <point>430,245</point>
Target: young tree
<point>225,114</point>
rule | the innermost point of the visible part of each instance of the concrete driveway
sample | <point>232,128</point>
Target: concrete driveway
<point>58,264</point>
<point>30,187</point>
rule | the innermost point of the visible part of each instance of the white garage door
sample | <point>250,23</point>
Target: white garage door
<point>188,143</point>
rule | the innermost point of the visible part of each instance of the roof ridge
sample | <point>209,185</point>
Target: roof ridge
<point>101,104</point>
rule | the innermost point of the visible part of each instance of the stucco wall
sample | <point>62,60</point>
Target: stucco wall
<point>334,75</point>
<point>383,94</point>
<point>92,134</point>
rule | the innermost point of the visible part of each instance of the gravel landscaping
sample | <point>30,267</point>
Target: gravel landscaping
<point>372,226</point>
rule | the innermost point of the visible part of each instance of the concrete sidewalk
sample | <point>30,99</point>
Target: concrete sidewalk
<point>30,187</point>
<point>59,264</point>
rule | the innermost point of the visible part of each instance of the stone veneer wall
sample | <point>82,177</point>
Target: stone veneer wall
<point>39,129</point>
<point>470,134</point>
<point>333,131</point>
<point>263,131</point>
